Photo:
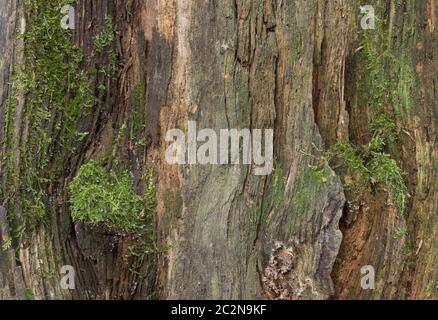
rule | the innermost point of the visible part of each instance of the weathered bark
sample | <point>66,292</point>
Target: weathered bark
<point>406,265</point>
<point>293,66</point>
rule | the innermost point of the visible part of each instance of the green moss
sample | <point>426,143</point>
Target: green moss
<point>320,174</point>
<point>106,37</point>
<point>58,98</point>
<point>138,116</point>
<point>103,43</point>
<point>356,176</point>
<point>57,94</point>
<point>309,184</point>
<point>371,166</point>
<point>400,233</point>
<point>133,128</point>
<point>99,196</point>
<point>277,185</point>
<point>275,197</point>
<point>432,289</point>
<point>384,131</point>
<point>29,294</point>
<point>387,83</point>
<point>7,244</point>
<point>385,171</point>
<point>402,87</point>
<point>386,86</point>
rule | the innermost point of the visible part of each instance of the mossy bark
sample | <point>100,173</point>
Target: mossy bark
<point>222,232</point>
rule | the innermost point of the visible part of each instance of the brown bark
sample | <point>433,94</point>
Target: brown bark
<point>294,66</point>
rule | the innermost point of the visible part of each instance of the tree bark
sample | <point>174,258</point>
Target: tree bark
<point>293,66</point>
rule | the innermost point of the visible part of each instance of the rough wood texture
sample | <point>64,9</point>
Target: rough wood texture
<point>293,66</point>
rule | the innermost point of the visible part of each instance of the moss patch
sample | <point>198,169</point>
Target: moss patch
<point>57,93</point>
<point>359,169</point>
<point>101,196</point>
<point>58,99</point>
<point>386,87</point>
<point>309,184</point>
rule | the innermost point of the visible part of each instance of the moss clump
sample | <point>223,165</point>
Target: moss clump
<point>357,174</point>
<point>7,244</point>
<point>99,196</point>
<point>370,166</point>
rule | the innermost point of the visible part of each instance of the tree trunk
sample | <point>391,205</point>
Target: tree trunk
<point>305,69</point>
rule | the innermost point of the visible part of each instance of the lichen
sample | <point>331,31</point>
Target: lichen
<point>308,185</point>
<point>281,281</point>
